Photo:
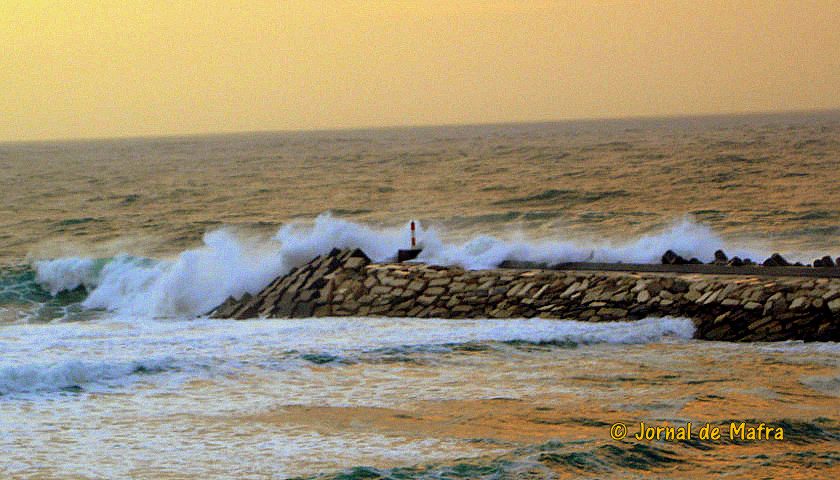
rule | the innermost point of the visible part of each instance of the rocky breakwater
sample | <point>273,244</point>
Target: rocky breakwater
<point>732,308</point>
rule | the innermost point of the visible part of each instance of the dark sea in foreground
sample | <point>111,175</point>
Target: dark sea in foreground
<point>111,250</point>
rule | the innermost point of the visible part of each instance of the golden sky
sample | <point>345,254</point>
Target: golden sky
<point>117,68</point>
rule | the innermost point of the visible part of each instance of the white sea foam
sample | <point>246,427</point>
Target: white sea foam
<point>104,354</point>
<point>229,265</point>
<point>214,376</point>
<point>66,274</point>
<point>39,377</point>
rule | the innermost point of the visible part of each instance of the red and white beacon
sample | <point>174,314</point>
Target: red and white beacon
<point>413,252</point>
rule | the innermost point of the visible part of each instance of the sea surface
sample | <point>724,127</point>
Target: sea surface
<point>112,251</point>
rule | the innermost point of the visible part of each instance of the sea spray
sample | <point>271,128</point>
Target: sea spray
<point>192,283</point>
<point>65,274</point>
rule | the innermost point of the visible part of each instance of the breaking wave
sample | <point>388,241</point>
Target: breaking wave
<point>106,355</point>
<point>73,375</point>
<point>229,265</point>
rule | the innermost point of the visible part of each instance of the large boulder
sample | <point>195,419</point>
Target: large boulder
<point>824,262</point>
<point>297,293</point>
<point>776,260</point>
<point>735,262</point>
<point>671,258</point>
<point>229,307</point>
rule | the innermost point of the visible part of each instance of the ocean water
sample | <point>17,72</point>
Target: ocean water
<point>112,251</point>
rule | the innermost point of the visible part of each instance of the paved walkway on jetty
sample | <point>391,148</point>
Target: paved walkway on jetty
<point>705,269</point>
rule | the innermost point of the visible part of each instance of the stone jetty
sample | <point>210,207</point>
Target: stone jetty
<point>723,307</point>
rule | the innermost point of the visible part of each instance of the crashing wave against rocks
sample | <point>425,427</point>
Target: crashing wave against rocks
<point>723,307</point>
<point>776,260</point>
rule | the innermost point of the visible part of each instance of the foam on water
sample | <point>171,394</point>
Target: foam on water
<point>230,265</point>
<point>65,274</point>
<point>74,374</point>
<point>105,354</point>
<point>188,392</point>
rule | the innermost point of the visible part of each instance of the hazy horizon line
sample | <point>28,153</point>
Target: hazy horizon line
<point>606,119</point>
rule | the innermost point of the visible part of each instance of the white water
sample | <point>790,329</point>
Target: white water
<point>111,355</point>
<point>185,413</point>
<point>75,401</point>
<point>229,265</point>
<point>66,274</point>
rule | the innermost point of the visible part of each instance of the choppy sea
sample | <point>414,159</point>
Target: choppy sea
<point>111,250</point>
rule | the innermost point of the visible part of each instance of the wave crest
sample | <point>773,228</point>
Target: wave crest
<point>73,374</point>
